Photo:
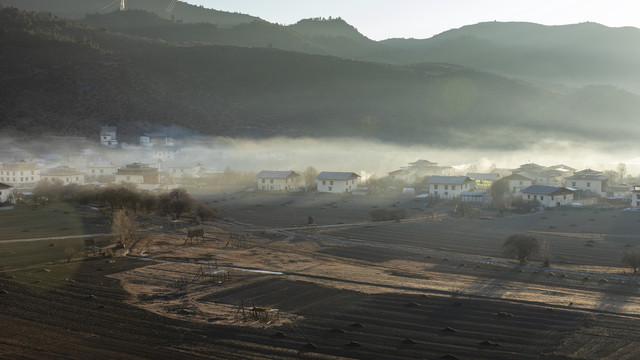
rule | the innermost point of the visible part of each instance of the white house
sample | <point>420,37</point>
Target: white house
<point>589,180</point>
<point>278,181</point>
<point>100,170</point>
<point>548,196</point>
<point>21,174</point>
<point>517,182</point>
<point>6,193</point>
<point>63,175</point>
<point>192,171</point>
<point>448,187</point>
<point>108,136</point>
<point>403,175</point>
<point>337,182</point>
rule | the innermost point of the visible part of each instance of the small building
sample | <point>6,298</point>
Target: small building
<point>278,181</point>
<point>422,168</point>
<point>548,196</point>
<point>108,136</point>
<point>337,182</point>
<point>449,187</point>
<point>403,175</point>
<point>517,182</point>
<point>154,139</point>
<point>6,194</point>
<point>21,174</point>
<point>589,180</point>
<point>63,175</point>
<point>143,175</point>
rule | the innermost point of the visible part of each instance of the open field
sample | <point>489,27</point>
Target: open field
<point>422,288</point>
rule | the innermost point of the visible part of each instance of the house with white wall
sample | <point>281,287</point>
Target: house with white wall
<point>6,194</point>
<point>484,181</point>
<point>108,136</point>
<point>449,187</point>
<point>63,175</point>
<point>278,181</point>
<point>593,181</point>
<point>337,182</point>
<point>635,196</point>
<point>548,196</point>
<point>21,174</point>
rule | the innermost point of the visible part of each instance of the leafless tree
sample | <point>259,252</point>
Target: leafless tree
<point>632,260</point>
<point>520,246</point>
<point>122,226</point>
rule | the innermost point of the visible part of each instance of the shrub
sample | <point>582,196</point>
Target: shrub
<point>520,246</point>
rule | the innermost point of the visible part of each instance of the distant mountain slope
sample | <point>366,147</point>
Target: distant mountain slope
<point>67,78</point>
<point>576,55</point>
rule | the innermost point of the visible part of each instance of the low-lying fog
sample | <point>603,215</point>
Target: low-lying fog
<point>355,155</point>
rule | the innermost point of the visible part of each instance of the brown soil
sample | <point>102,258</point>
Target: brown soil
<point>415,289</point>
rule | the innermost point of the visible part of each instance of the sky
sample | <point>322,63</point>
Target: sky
<point>421,19</point>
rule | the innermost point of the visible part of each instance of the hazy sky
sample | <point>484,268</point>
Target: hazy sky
<point>383,19</point>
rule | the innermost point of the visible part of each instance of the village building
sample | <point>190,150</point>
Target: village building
<point>589,180</point>
<point>484,181</point>
<point>142,175</point>
<point>104,172</point>
<point>278,181</point>
<point>154,139</point>
<point>403,175</point>
<point>449,187</point>
<point>6,194</point>
<point>548,196</point>
<point>108,136</point>
<point>63,175</point>
<point>21,174</point>
<point>185,171</point>
<point>422,168</point>
<point>517,182</point>
<point>337,182</point>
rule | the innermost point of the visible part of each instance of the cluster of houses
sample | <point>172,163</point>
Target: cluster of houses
<point>551,186</point>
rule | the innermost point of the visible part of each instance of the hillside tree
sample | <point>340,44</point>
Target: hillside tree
<point>632,260</point>
<point>521,246</point>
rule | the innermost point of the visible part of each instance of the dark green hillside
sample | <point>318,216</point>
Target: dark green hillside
<point>67,78</point>
<point>77,9</point>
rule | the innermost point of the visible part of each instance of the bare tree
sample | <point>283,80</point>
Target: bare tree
<point>520,246</point>
<point>632,260</point>
<point>122,226</point>
<point>310,176</point>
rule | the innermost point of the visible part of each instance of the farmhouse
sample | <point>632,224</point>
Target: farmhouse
<point>337,182</point>
<point>589,180</point>
<point>6,193</point>
<point>185,171</point>
<point>278,181</point>
<point>63,175</point>
<point>143,175</point>
<point>403,175</point>
<point>449,187</point>
<point>422,168</point>
<point>548,196</point>
<point>21,174</point>
<point>102,170</point>
<point>517,182</point>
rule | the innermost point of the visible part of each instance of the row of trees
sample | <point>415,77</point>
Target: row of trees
<point>523,246</point>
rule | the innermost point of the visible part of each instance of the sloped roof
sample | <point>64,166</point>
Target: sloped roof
<point>267,174</point>
<point>4,186</point>
<point>423,163</point>
<point>588,172</point>
<point>593,177</point>
<point>452,180</point>
<point>484,176</point>
<point>518,177</point>
<point>546,190</point>
<point>332,175</point>
<point>400,172</point>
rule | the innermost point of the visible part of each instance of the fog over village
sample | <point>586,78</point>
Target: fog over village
<point>178,181</point>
